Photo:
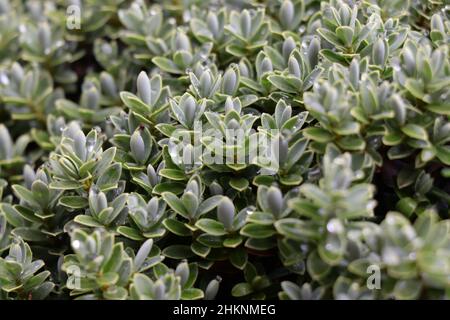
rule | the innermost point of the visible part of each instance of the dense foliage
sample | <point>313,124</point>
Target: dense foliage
<point>97,203</point>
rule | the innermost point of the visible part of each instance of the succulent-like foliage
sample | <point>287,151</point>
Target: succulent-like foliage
<point>19,276</point>
<point>291,149</point>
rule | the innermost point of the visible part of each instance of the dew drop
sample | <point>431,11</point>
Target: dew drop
<point>371,205</point>
<point>76,244</point>
<point>106,49</point>
<point>4,79</point>
<point>335,226</point>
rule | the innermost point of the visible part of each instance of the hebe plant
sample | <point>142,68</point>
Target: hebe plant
<point>108,125</point>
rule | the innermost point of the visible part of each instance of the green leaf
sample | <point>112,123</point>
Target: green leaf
<point>41,193</point>
<point>28,214</point>
<point>263,180</point>
<point>143,253</point>
<point>407,289</point>
<point>177,227</point>
<point>12,216</point>
<point>352,143</point>
<point>166,65</point>
<point>261,244</point>
<point>443,154</point>
<point>173,187</point>
<point>178,252</point>
<point>175,204</point>
<point>208,205</point>
<point>329,36</point>
<point>295,229</point>
<point>285,84</point>
<point>173,174</point>
<point>263,218</point>
<point>108,180</point>
<point>334,256</point>
<point>252,84</point>
<point>210,240</point>
<point>317,195</point>
<point>359,267</point>
<point>142,284</point>
<point>415,131</point>
<point>257,231</point>
<point>233,241</point>
<point>235,50</point>
<point>407,206</point>
<point>274,56</point>
<point>291,179</point>
<point>115,293</point>
<point>115,259</point>
<point>166,129</point>
<point>134,103</point>
<point>317,134</point>
<point>333,56</point>
<point>11,287</point>
<point>193,274</point>
<point>130,233</point>
<point>240,184</point>
<point>74,202</point>
<point>238,257</point>
<point>192,294</point>
<point>316,267</point>
<point>211,227</point>
<point>200,249</point>
<point>29,234</point>
<point>154,232</point>
<point>438,108</point>
<point>241,289</point>
<point>415,88</point>
<point>87,221</point>
<point>345,34</point>
<point>25,194</point>
<point>392,138</point>
<point>107,279</point>
<point>65,185</point>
